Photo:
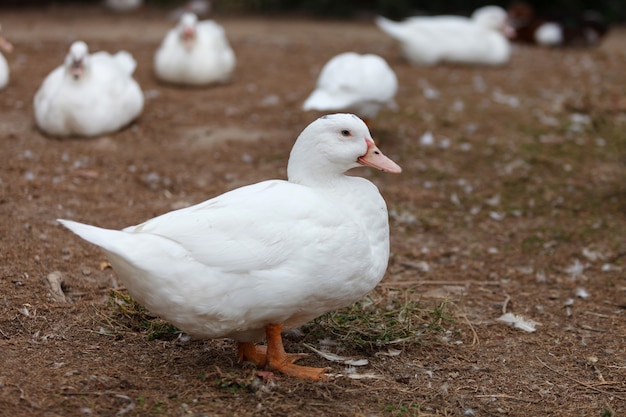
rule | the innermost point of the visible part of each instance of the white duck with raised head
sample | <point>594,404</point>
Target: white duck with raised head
<point>267,256</point>
<point>195,53</point>
<point>89,95</point>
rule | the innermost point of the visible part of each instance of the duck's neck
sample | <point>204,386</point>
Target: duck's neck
<point>366,206</point>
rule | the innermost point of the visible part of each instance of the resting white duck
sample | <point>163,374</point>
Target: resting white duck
<point>5,46</point>
<point>481,39</point>
<point>89,95</point>
<point>268,256</point>
<point>195,53</point>
<point>355,83</point>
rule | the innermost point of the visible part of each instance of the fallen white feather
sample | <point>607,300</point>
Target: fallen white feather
<point>337,358</point>
<point>507,99</point>
<point>364,376</point>
<point>579,118</point>
<point>494,215</point>
<point>390,352</point>
<point>519,322</point>
<point>576,269</point>
<point>353,374</point>
<point>592,255</point>
<point>493,201</point>
<point>356,362</point>
<point>445,143</point>
<point>427,139</point>
<point>582,293</point>
<point>430,93</point>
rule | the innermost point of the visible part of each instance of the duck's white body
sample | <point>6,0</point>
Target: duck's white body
<point>360,84</point>
<point>195,53</point>
<point>272,252</point>
<point>89,95</point>
<point>480,39</point>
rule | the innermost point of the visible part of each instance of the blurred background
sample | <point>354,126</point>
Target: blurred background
<point>614,11</point>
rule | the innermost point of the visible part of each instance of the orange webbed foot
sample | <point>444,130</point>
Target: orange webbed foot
<point>280,361</point>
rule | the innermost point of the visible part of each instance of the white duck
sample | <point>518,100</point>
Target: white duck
<point>351,82</point>
<point>268,256</point>
<point>195,53</point>
<point>481,39</point>
<point>4,67</point>
<point>89,95</point>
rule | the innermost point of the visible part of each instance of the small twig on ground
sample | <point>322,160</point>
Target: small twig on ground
<point>505,303</point>
<point>475,339</point>
<point>584,384</point>
<point>417,283</point>
<point>509,397</point>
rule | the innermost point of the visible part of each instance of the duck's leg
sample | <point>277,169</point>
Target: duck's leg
<point>257,354</point>
<point>278,360</point>
<point>249,352</point>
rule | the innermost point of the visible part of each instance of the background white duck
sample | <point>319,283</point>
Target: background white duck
<point>268,256</point>
<point>89,95</point>
<point>5,46</point>
<point>549,34</point>
<point>481,39</point>
<point>195,53</point>
<point>355,83</point>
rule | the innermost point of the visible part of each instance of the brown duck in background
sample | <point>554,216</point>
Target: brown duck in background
<point>558,29</point>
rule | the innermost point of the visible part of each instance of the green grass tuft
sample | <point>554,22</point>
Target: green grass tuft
<point>387,321</point>
<point>131,316</point>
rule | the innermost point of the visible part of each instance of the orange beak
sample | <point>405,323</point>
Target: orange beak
<point>375,159</point>
<point>508,30</point>
<point>5,45</point>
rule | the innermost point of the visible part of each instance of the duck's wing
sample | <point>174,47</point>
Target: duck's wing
<point>257,227</point>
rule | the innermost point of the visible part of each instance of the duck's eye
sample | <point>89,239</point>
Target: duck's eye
<point>346,133</point>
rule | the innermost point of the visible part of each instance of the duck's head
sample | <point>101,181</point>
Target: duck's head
<point>5,45</point>
<point>332,145</point>
<point>187,28</point>
<point>493,17</point>
<point>76,60</point>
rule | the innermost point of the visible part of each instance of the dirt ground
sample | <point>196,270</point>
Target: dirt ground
<point>516,203</point>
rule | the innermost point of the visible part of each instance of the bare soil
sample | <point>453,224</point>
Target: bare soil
<point>518,205</point>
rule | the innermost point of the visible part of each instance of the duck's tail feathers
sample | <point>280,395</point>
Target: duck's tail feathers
<point>96,235</point>
<point>390,27</point>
